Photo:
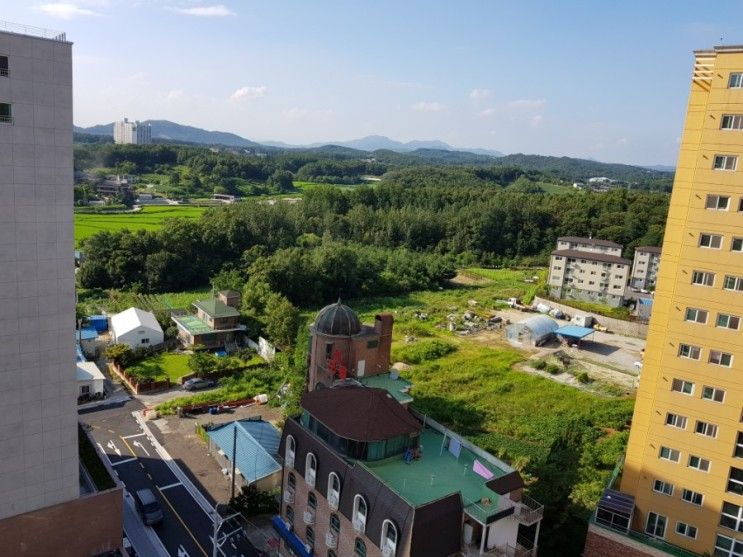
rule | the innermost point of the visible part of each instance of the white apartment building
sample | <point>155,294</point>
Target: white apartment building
<point>132,133</point>
<point>645,267</point>
<point>38,382</point>
<point>589,270</point>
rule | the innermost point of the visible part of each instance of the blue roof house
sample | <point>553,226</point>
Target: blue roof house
<point>257,444</point>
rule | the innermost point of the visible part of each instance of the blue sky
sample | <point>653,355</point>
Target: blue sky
<point>605,80</point>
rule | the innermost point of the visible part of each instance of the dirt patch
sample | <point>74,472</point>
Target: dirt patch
<point>465,279</point>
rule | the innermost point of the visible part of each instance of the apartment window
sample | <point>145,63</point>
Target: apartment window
<point>692,497</point>
<point>591,282</point>
<point>291,481</point>
<point>4,71</point>
<point>359,548</point>
<point>290,450</point>
<point>720,358</point>
<point>696,315</point>
<point>667,453</point>
<point>359,514</point>
<point>735,481</point>
<point>310,536</point>
<point>733,283</point>
<point>703,278</point>
<point>689,351</point>
<point>705,428</point>
<point>738,453</point>
<point>699,463</point>
<point>732,122</point>
<point>717,202</point>
<point>675,420</point>
<point>312,501</point>
<point>728,547</point>
<point>310,469</point>
<point>736,80</point>
<point>558,258</point>
<point>725,162</point>
<point>389,537</point>
<point>684,529</point>
<point>6,114</point>
<point>665,488</point>
<point>335,524</point>
<point>289,514</point>
<point>726,321</point>
<point>712,241</point>
<point>737,244</point>
<point>656,525</point>
<point>731,516</point>
<point>334,490</point>
<point>682,386</point>
<point>740,204</point>
<point>713,393</point>
<point>85,389</point>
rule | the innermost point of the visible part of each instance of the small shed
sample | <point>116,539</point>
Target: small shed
<point>98,322</point>
<point>90,379</point>
<point>137,328</point>
<point>573,334</point>
<point>534,331</point>
<point>87,340</point>
<point>257,447</point>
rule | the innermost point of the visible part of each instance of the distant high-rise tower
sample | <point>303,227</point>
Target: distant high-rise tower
<point>682,481</point>
<point>41,509</point>
<point>137,133</point>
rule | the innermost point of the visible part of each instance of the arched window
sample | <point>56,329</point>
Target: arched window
<point>331,553</point>
<point>291,481</point>
<point>289,514</point>
<point>334,490</point>
<point>359,514</point>
<point>359,548</point>
<point>312,501</point>
<point>310,469</point>
<point>310,536</point>
<point>290,450</point>
<point>335,524</point>
<point>389,538</point>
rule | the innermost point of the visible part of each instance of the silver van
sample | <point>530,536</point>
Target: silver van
<point>148,506</point>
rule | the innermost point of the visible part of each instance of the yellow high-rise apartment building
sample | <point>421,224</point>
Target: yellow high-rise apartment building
<point>684,461</point>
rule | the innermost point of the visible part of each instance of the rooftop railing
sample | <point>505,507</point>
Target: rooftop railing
<point>32,31</point>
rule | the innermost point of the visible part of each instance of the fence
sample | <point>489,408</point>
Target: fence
<point>134,384</point>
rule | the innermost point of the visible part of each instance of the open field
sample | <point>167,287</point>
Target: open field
<point>149,218</point>
<point>172,366</point>
<point>114,301</point>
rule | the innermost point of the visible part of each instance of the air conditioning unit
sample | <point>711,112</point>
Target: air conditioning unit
<point>331,540</point>
<point>309,517</point>
<point>288,496</point>
<point>359,525</point>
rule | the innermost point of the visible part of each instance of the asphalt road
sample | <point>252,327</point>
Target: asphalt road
<point>186,530</point>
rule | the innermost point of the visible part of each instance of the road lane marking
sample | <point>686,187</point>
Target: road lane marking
<point>128,446</point>
<point>112,431</point>
<point>141,446</point>
<point>123,461</point>
<point>111,445</point>
<point>182,552</point>
<point>135,435</point>
<point>176,484</point>
<point>172,508</point>
<point>102,451</point>
<point>150,477</point>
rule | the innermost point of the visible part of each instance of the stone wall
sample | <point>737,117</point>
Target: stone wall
<point>628,328</point>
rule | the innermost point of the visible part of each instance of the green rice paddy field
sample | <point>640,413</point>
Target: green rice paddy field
<point>149,218</point>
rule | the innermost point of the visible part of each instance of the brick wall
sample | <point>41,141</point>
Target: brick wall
<point>603,543</point>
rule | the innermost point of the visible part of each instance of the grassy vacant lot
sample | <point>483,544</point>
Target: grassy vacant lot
<point>507,283</point>
<point>149,218</point>
<point>172,366</point>
<point>94,301</point>
<point>601,309</point>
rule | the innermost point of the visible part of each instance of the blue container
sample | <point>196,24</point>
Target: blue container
<point>98,322</point>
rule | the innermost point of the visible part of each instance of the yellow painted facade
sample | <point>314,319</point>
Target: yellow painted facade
<point>672,326</point>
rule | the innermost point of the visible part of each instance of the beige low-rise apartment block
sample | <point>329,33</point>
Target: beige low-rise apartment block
<point>589,270</point>
<point>645,267</point>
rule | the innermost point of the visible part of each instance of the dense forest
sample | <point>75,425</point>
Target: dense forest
<point>367,240</point>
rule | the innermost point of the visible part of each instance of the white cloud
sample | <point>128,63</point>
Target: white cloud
<point>480,94</point>
<point>487,112</point>
<point>622,141</point>
<point>527,104</point>
<point>218,10</point>
<point>64,10</point>
<point>248,92</point>
<point>535,120</point>
<point>175,95</point>
<point>428,106</point>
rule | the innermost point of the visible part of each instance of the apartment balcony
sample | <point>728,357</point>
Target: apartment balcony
<point>331,540</point>
<point>309,517</point>
<point>289,496</point>
<point>6,119</point>
<point>333,500</point>
<point>527,511</point>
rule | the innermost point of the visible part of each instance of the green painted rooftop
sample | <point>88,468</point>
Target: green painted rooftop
<point>439,473</point>
<point>398,388</point>
<point>216,308</point>
<point>193,324</point>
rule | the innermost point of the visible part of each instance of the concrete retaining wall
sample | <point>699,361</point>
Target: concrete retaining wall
<point>627,328</point>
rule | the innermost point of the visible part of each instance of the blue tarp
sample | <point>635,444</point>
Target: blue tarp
<point>574,331</point>
<point>98,322</point>
<point>86,334</point>
<point>290,537</point>
<point>257,444</point>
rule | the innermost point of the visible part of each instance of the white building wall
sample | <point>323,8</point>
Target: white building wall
<point>135,337</point>
<point>38,383</point>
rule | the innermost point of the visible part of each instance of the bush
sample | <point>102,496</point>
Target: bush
<point>539,364</point>
<point>553,369</point>
<point>583,377</point>
<point>424,351</point>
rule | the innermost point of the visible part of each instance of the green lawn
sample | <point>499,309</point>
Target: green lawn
<point>149,218</point>
<point>511,283</point>
<point>172,366</point>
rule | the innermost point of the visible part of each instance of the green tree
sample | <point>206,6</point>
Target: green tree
<point>121,354</point>
<point>282,320</point>
<point>281,180</point>
<point>202,363</point>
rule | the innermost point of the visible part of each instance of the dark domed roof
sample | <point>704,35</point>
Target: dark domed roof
<point>337,320</point>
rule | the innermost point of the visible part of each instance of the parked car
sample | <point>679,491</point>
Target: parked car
<point>198,383</point>
<point>148,506</point>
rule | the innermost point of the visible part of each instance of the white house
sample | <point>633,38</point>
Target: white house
<point>89,379</point>
<point>137,328</point>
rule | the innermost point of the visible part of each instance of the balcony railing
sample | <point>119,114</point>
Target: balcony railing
<point>6,119</point>
<point>648,540</point>
<point>528,511</point>
<point>32,31</point>
<point>331,540</point>
<point>4,72</point>
<point>309,516</point>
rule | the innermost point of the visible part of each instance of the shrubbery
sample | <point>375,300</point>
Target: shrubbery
<point>423,351</point>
